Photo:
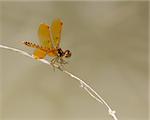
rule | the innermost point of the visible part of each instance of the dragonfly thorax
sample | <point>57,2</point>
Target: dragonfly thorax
<point>61,53</point>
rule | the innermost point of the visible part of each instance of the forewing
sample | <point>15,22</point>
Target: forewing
<point>56,29</point>
<point>44,36</point>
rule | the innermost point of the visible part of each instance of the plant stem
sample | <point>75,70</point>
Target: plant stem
<point>83,84</point>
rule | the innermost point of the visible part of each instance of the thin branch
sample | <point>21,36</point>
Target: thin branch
<point>83,85</point>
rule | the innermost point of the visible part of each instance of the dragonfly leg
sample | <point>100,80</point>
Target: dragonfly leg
<point>53,61</point>
<point>62,61</point>
<point>59,61</point>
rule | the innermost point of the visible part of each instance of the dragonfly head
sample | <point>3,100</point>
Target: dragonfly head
<point>67,53</point>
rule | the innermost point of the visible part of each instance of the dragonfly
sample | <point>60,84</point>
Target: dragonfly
<point>49,43</point>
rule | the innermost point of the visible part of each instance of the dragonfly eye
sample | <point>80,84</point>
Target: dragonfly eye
<point>67,53</point>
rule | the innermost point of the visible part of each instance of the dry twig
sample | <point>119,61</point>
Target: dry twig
<point>83,85</point>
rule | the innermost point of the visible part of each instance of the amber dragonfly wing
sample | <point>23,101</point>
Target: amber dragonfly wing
<point>39,54</point>
<point>45,36</point>
<point>56,29</point>
<point>45,41</point>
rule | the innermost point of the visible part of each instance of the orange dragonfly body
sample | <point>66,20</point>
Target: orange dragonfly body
<point>49,38</point>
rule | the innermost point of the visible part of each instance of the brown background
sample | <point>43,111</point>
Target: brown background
<point>109,44</point>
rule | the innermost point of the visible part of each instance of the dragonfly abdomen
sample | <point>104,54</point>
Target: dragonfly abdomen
<point>33,45</point>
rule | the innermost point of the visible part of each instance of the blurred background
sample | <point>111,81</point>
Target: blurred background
<point>109,44</point>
